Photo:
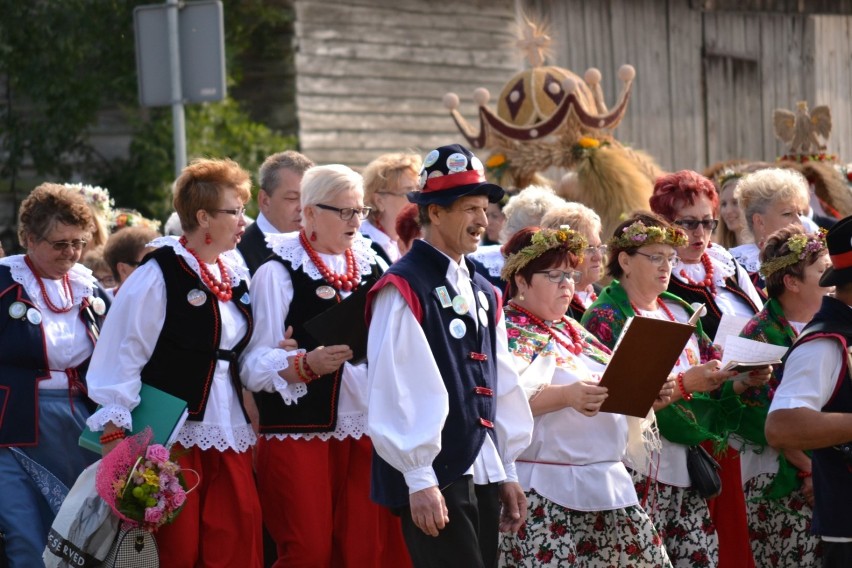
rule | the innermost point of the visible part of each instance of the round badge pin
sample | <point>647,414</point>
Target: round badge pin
<point>457,163</point>
<point>423,179</point>
<point>17,310</point>
<point>325,292</point>
<point>435,174</point>
<point>98,305</point>
<point>246,299</point>
<point>457,328</point>
<point>483,299</point>
<point>483,317</point>
<point>430,158</point>
<point>33,316</point>
<point>476,164</point>
<point>196,297</point>
<point>460,305</point>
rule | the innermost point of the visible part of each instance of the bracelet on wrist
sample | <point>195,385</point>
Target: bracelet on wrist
<point>685,395</point>
<point>112,437</point>
<point>306,367</point>
<point>801,474</point>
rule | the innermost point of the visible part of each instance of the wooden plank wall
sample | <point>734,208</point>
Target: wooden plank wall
<point>833,79</point>
<point>680,112</point>
<point>371,74</point>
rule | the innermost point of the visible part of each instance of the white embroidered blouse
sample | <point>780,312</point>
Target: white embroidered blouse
<point>128,338</point>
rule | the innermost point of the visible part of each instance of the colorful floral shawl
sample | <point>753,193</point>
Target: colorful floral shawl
<point>769,326</point>
<point>528,341</point>
<point>708,416</point>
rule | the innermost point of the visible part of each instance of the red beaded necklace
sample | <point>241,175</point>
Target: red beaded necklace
<point>66,285</point>
<point>660,303</point>
<point>576,345</point>
<point>708,275</point>
<point>346,282</point>
<point>222,289</point>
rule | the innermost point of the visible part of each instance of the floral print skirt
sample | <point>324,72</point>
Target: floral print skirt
<point>780,531</point>
<point>682,518</point>
<point>556,536</point>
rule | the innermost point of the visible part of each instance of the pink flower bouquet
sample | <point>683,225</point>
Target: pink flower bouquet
<point>141,483</point>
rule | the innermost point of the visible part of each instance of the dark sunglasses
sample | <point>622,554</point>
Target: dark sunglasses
<point>692,224</point>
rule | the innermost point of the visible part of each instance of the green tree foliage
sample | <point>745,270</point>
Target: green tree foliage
<point>61,61</point>
<point>213,130</point>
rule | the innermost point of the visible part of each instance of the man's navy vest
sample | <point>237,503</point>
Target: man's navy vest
<point>467,366</point>
<point>184,359</point>
<point>317,410</point>
<point>698,293</point>
<point>832,474</point>
<point>23,362</point>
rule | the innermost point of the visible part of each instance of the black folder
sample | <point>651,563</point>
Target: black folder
<point>344,323</point>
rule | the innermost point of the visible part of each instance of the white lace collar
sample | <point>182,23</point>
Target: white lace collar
<point>82,280</point>
<point>723,267</point>
<point>288,247</point>
<point>234,263</point>
<point>490,257</point>
<point>749,256</point>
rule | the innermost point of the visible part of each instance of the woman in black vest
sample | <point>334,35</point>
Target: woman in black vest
<point>707,274</point>
<point>313,458</point>
<point>181,322</point>
<point>51,309</point>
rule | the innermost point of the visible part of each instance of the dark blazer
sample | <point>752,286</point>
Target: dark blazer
<point>253,248</point>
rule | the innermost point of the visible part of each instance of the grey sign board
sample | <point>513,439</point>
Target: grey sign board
<point>201,40</point>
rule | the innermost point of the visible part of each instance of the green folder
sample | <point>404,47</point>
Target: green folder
<point>164,413</point>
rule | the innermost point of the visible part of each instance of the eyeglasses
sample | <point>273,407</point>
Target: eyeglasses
<point>657,259</point>
<point>61,246</point>
<point>347,213</point>
<point>557,276</point>
<point>235,212</point>
<point>601,249</point>
<point>692,224</point>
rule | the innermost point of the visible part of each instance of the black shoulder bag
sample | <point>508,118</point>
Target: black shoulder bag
<point>703,472</point>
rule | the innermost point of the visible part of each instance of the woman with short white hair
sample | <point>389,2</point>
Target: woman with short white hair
<point>770,199</point>
<point>526,209</point>
<point>313,456</point>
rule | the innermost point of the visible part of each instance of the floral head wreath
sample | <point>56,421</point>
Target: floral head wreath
<point>800,246</point>
<point>541,242</point>
<point>726,176</point>
<point>638,234</point>
<point>97,197</point>
<point>130,218</point>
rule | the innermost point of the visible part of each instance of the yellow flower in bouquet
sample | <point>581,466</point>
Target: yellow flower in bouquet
<point>142,483</point>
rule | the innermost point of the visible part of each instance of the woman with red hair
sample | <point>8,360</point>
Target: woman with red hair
<point>707,274</point>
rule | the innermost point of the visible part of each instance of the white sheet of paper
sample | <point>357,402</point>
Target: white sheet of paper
<point>745,350</point>
<point>729,325</point>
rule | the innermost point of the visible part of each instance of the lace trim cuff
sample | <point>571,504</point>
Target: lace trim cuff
<point>290,392</point>
<point>114,413</point>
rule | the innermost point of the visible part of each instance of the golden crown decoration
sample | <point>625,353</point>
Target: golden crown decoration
<point>542,112</point>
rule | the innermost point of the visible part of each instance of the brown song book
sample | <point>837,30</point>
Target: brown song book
<point>642,360</point>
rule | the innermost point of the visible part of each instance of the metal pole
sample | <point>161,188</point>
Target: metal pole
<point>178,122</point>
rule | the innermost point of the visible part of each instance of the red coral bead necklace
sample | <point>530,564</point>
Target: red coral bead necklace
<point>708,278</point>
<point>66,285</point>
<point>576,345</point>
<point>347,282</point>
<point>660,303</point>
<point>221,288</point>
